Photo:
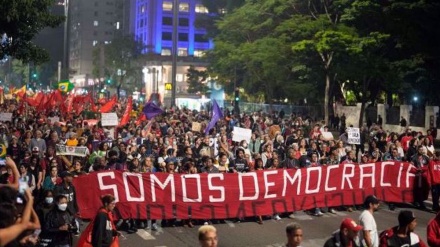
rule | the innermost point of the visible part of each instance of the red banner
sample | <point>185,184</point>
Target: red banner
<point>221,196</point>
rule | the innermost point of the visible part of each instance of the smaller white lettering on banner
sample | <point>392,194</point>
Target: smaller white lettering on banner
<point>74,151</point>
<point>354,136</point>
<point>241,134</point>
<point>109,119</point>
<point>5,116</point>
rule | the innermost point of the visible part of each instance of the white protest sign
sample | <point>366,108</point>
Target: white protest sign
<point>54,119</point>
<point>109,119</point>
<point>74,151</point>
<point>196,126</point>
<point>328,136</point>
<point>354,136</point>
<point>5,116</point>
<point>241,134</point>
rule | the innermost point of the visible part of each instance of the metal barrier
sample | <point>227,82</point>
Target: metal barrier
<point>393,115</point>
<point>313,111</point>
<point>417,117</point>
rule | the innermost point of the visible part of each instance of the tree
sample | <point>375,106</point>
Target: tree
<point>20,21</point>
<point>120,61</point>
<point>196,80</point>
<point>251,53</point>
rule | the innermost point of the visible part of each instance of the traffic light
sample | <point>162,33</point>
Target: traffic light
<point>237,95</point>
<point>236,102</point>
<point>109,81</point>
<point>34,75</point>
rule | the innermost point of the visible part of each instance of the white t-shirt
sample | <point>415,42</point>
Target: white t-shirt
<point>366,220</point>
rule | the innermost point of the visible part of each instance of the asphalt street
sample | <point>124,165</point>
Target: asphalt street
<point>271,233</point>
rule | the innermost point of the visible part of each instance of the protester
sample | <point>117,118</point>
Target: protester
<point>104,232</point>
<point>346,236</point>
<point>60,223</point>
<point>208,236</point>
<point>433,231</point>
<point>402,234</point>
<point>434,180</point>
<point>369,236</point>
<point>294,235</point>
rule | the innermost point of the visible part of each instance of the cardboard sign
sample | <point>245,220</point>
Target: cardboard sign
<point>241,134</point>
<point>354,136</point>
<point>196,127</point>
<point>109,119</point>
<point>5,116</point>
<point>328,136</point>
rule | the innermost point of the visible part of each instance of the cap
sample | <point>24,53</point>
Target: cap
<point>66,174</point>
<point>370,199</point>
<point>405,217</point>
<point>35,150</point>
<point>350,224</point>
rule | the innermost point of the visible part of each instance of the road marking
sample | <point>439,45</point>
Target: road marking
<point>303,217</point>
<point>230,223</point>
<point>340,213</point>
<point>145,235</point>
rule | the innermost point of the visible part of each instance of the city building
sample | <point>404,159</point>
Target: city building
<point>152,23</point>
<point>92,23</point>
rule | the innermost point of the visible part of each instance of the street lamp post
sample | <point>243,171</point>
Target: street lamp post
<point>174,51</point>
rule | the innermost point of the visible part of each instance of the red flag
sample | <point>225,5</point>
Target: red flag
<point>109,105</point>
<point>141,118</point>
<point>69,102</point>
<point>126,117</point>
<point>42,104</point>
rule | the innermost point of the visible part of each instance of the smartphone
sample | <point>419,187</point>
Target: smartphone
<point>22,186</point>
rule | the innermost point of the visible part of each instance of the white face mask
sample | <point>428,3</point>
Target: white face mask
<point>48,200</point>
<point>62,206</point>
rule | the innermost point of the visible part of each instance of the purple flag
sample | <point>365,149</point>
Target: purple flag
<point>216,115</point>
<point>151,110</point>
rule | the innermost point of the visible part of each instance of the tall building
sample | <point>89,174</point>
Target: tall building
<point>91,23</point>
<point>151,21</point>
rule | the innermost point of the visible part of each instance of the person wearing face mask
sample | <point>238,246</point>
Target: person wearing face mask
<point>67,189</point>
<point>43,208</point>
<point>60,223</point>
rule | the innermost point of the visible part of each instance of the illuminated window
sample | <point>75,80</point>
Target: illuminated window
<point>201,9</point>
<point>167,6</point>
<point>143,9</point>
<point>182,52</point>
<point>166,52</point>
<point>95,23</point>
<point>184,7</point>
<point>95,42</point>
<point>199,53</point>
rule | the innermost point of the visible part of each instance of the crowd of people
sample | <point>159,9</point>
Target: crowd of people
<point>170,143</point>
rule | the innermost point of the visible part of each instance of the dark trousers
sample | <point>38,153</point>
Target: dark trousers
<point>435,192</point>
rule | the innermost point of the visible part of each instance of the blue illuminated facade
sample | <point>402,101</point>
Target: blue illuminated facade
<point>152,22</point>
